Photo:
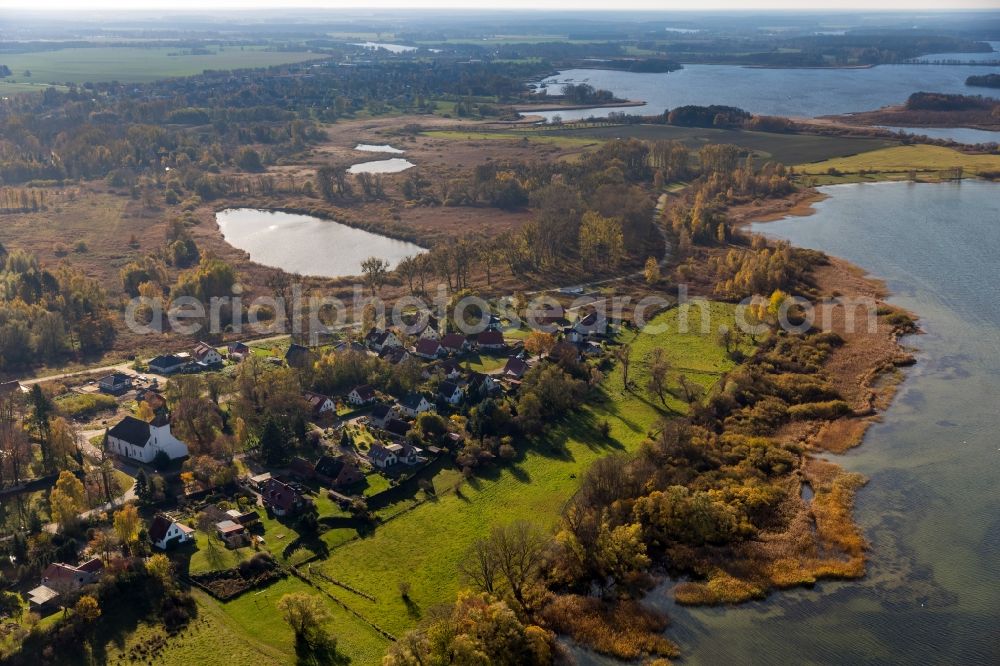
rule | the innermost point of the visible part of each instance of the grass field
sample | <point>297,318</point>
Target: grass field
<point>895,163</point>
<point>132,64</point>
<point>515,135</point>
<point>785,148</point>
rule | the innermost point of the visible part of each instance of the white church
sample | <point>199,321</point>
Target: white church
<point>138,440</point>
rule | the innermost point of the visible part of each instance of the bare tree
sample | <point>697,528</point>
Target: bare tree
<point>375,271</point>
<point>659,371</point>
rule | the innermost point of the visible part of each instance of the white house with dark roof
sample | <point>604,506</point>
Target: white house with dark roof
<point>138,440</point>
<point>319,404</point>
<point>381,456</point>
<point>115,384</point>
<point>165,532</point>
<point>361,395</point>
<point>379,339</point>
<point>414,404</point>
<point>450,392</point>
<point>428,348</point>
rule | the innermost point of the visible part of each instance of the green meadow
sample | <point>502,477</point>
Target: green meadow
<point>130,64</point>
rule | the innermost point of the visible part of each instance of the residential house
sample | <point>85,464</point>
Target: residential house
<point>8,388</point>
<point>338,472</point>
<point>116,383</point>
<point>138,440</point>
<point>60,579</point>
<point>381,339</point>
<point>319,404</point>
<point>165,532</point>
<point>237,351</point>
<point>243,517</point>
<point>455,343</point>
<point>301,469</point>
<point>232,533</point>
<point>414,404</point>
<point>298,356</point>
<point>380,415</point>
<point>153,398</point>
<point>381,456</point>
<point>344,346</point>
<point>428,348</point>
<point>592,324</point>
<point>281,498</point>
<point>258,481</point>
<point>407,453</point>
<point>450,392</point>
<point>491,341</point>
<point>168,364</point>
<point>206,355</point>
<point>481,386</point>
<point>397,427</point>
<point>430,330</point>
<point>394,355</point>
<point>361,395</point>
<point>516,368</point>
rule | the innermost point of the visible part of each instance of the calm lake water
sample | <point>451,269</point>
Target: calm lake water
<point>383,148</point>
<point>960,134</point>
<point>931,509</point>
<point>392,48</point>
<point>782,92</point>
<point>964,57</point>
<point>307,245</point>
<point>391,165</point>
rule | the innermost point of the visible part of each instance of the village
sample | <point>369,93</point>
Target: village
<point>366,452</point>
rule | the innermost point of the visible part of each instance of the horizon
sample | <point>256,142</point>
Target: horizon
<point>580,6</point>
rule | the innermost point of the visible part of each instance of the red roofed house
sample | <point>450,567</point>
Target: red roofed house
<point>165,532</point>
<point>491,341</point>
<point>206,355</point>
<point>428,348</point>
<point>59,578</point>
<point>281,498</point>
<point>319,404</point>
<point>515,368</point>
<point>455,343</point>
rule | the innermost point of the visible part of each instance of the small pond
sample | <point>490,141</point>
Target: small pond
<point>372,148</point>
<point>305,244</point>
<point>391,165</point>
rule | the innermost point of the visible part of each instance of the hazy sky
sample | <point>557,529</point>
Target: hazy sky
<point>684,5</point>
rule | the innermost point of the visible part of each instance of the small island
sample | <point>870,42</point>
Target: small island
<point>984,81</point>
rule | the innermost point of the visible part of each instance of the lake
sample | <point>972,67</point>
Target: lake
<point>988,57</point>
<point>780,92</point>
<point>931,510</point>
<point>370,148</point>
<point>305,244</point>
<point>391,165</point>
<point>392,48</point>
<point>960,134</point>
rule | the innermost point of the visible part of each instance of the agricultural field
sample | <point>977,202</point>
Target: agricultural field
<point>132,64</point>
<point>897,162</point>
